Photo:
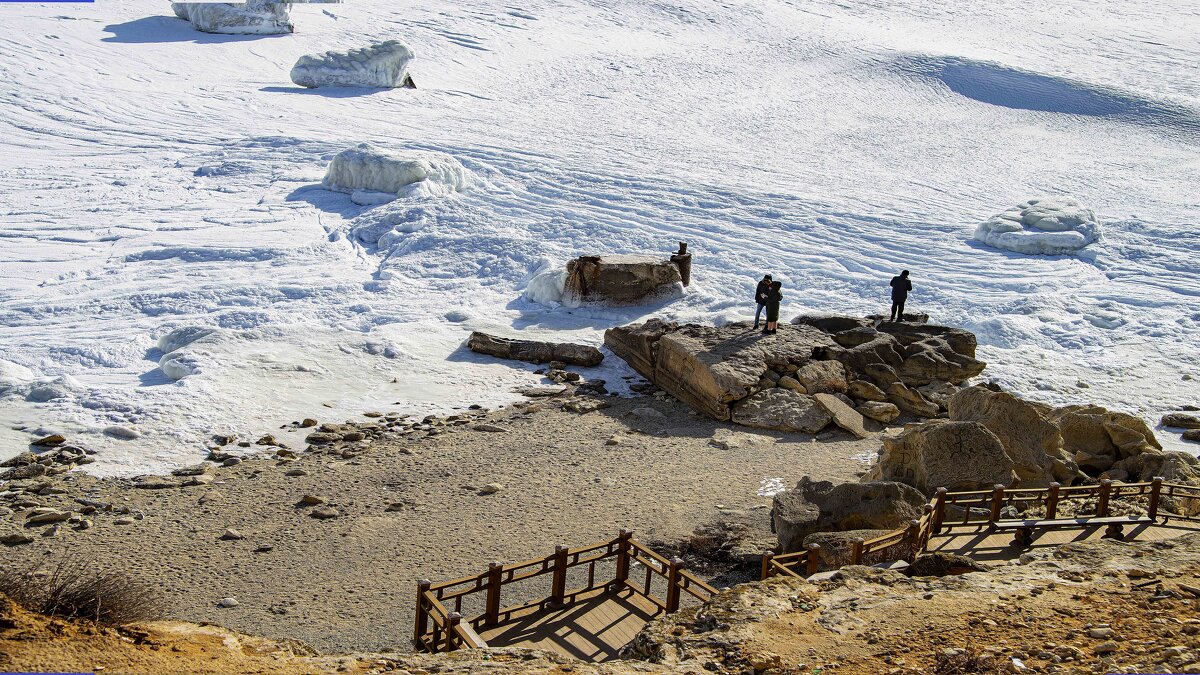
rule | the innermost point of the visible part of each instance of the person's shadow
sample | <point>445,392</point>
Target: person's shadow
<point>160,29</point>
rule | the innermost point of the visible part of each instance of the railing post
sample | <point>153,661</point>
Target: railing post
<point>914,537</point>
<point>452,630</point>
<point>1102,502</point>
<point>673,569</point>
<point>559,589</point>
<point>422,623</point>
<point>997,503</point>
<point>623,556</point>
<point>856,552</point>
<point>814,558</point>
<point>767,572</point>
<point>939,509</point>
<point>928,531</point>
<point>1052,501</point>
<point>491,614</point>
<point>1155,496</point>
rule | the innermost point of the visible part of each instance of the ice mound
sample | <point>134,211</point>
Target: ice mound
<point>183,350</point>
<point>48,390</point>
<point>405,174</point>
<point>14,378</point>
<point>1048,226</point>
<point>383,65</point>
<point>256,17</point>
<point>547,287</point>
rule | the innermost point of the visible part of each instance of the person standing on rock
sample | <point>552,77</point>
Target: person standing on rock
<point>774,296</point>
<point>900,288</point>
<point>760,296</point>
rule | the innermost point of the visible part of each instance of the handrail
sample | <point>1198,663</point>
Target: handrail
<point>438,628</point>
<point>936,518</point>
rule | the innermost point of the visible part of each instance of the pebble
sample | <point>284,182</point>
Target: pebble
<point>1105,647</point>
<point>491,428</point>
<point>491,489</point>
<point>124,521</point>
<point>1103,633</point>
<point>308,422</point>
<point>312,500</point>
<point>232,535</point>
<point>228,602</point>
<point>296,472</point>
<point>16,539</point>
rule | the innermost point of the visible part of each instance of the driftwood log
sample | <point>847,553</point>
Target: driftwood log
<point>534,351</point>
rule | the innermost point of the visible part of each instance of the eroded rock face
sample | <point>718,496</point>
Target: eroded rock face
<point>1097,438</point>
<point>533,351</point>
<point>621,279</point>
<point>959,456</point>
<point>1034,445</point>
<point>821,506</point>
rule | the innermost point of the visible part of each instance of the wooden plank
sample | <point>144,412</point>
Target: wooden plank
<point>1070,522</point>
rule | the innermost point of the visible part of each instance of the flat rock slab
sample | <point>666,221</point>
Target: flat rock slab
<point>534,351</point>
<point>843,415</point>
<point>782,410</point>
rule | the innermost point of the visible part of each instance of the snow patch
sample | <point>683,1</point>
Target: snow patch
<point>14,378</point>
<point>1048,226</point>
<point>383,65</point>
<point>405,174</point>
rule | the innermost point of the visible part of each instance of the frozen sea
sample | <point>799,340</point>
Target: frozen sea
<point>153,179</point>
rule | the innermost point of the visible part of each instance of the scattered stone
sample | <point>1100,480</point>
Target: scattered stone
<point>124,521</point>
<point>583,406</point>
<point>884,413</point>
<point>324,513</point>
<point>295,473</point>
<point>542,391</point>
<point>312,500</point>
<point>490,428</point>
<point>865,391</point>
<point>154,483</point>
<point>197,470</point>
<point>789,382</point>
<point>353,436</point>
<point>1101,633</point>
<point>1181,421</point>
<point>16,539</point>
<point>267,440</point>
<point>228,602</point>
<point>50,441</point>
<point>203,479</point>
<point>939,564</point>
<point>911,401</point>
<point>491,489</point>
<point>1106,648</point>
<point>1192,435</point>
<point>308,422</point>
<point>232,535</point>
<point>322,438</point>
<point>45,515</point>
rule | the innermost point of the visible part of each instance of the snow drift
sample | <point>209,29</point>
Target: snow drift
<point>383,65</point>
<point>1050,226</point>
<point>405,174</point>
<point>256,17</point>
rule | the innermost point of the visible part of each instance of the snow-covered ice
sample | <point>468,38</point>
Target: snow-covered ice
<point>383,65</point>
<point>1045,226</point>
<point>254,17</point>
<point>368,168</point>
<point>155,178</point>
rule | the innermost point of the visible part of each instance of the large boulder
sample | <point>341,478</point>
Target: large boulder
<point>256,17</point>
<point>1179,468</point>
<point>383,65</point>
<point>822,377</point>
<point>711,368</point>
<point>782,410</point>
<point>821,506</point>
<point>1034,445</point>
<point>621,279</point>
<point>959,456</point>
<point>534,351</point>
<point>1097,438</point>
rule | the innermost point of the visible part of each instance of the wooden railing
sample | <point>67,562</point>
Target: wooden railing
<point>1093,505</point>
<point>439,628</point>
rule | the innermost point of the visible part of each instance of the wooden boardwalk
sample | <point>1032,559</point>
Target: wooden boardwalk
<point>986,546</point>
<point>593,629</point>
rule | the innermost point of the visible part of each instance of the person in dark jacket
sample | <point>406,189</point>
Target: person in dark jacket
<point>760,296</point>
<point>774,296</point>
<point>900,288</point>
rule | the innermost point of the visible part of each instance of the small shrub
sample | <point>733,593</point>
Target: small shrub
<point>76,590</point>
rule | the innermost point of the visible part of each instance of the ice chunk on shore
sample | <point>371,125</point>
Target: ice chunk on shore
<point>256,17</point>
<point>179,359</point>
<point>547,287</point>
<point>383,65</point>
<point>14,378</point>
<point>1049,226</point>
<point>406,174</point>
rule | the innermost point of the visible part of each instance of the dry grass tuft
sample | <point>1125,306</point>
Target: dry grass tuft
<point>76,590</point>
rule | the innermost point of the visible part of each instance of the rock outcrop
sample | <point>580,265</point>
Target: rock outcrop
<point>1034,444</point>
<point>821,506</point>
<point>720,370</point>
<point>1097,438</point>
<point>534,351</point>
<point>959,456</point>
<point>621,279</point>
<point>383,65</point>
